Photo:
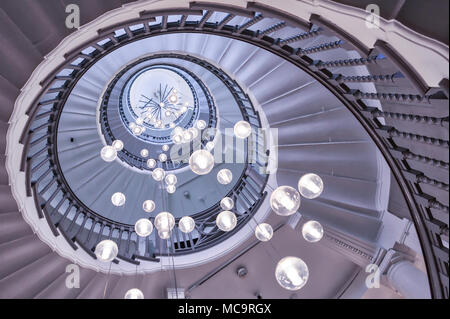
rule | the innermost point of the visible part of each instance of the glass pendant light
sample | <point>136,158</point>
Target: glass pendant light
<point>201,125</point>
<point>158,174</point>
<point>171,179</point>
<point>144,152</point>
<point>177,138</point>
<point>226,221</point>
<point>186,224</point>
<point>177,130</point>
<point>139,121</point>
<point>151,163</point>
<point>108,153</point>
<point>164,234</point>
<point>193,131</point>
<point>242,129</point>
<point>291,273</point>
<point>224,176</point>
<point>310,186</point>
<point>162,157</point>
<point>118,199</point>
<point>264,232</point>
<point>164,222</point>
<point>143,227</point>
<point>173,99</point>
<point>171,189</point>
<point>106,250</point>
<point>118,145</point>
<point>201,162</point>
<point>312,231</point>
<point>285,200</point>
<point>148,206</point>
<point>134,293</point>
<point>183,109</point>
<point>137,130</point>
<point>227,203</point>
<point>165,148</point>
<point>187,136</point>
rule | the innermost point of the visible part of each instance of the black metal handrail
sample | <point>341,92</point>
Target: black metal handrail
<point>382,57</point>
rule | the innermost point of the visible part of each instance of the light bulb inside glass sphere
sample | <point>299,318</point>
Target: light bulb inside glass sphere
<point>312,231</point>
<point>201,162</point>
<point>143,227</point>
<point>132,125</point>
<point>158,174</point>
<point>264,232</point>
<point>187,136</point>
<point>177,138</point>
<point>171,124</point>
<point>164,234</point>
<point>173,99</point>
<point>183,109</point>
<point>118,145</point>
<point>165,148</point>
<point>167,113</point>
<point>164,221</point>
<point>194,132</point>
<point>291,273</point>
<point>310,186</point>
<point>148,206</point>
<point>134,293</point>
<point>201,125</point>
<point>186,224</point>
<point>162,157</point>
<point>171,179</point>
<point>224,176</point>
<point>226,220</point>
<point>108,153</point>
<point>177,130</point>
<point>106,250</point>
<point>137,130</point>
<point>227,203</point>
<point>118,199</point>
<point>242,129</point>
<point>285,200</point>
<point>139,121</point>
<point>171,189</point>
<point>151,163</point>
<point>144,152</point>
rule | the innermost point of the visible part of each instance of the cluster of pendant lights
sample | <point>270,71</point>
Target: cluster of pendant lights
<point>291,272</point>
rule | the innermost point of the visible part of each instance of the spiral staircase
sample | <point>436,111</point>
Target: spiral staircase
<point>360,117</point>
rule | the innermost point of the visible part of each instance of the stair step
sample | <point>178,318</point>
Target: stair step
<point>21,252</point>
<point>31,279</point>
<point>12,227</point>
<point>349,193</point>
<point>19,56</point>
<point>343,159</point>
<point>59,290</point>
<point>351,222</point>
